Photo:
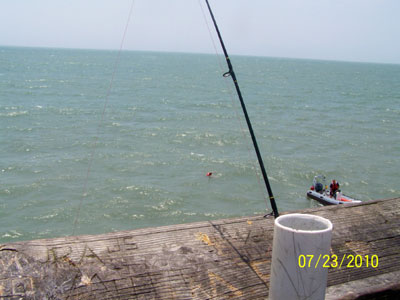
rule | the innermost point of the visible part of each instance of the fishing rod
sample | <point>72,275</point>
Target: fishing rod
<point>253,137</point>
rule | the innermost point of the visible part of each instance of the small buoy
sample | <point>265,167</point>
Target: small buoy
<point>209,174</point>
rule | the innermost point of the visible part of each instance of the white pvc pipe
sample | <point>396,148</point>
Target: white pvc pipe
<point>299,245</point>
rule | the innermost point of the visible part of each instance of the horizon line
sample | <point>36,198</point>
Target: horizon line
<point>199,53</point>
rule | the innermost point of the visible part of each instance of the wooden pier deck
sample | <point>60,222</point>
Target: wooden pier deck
<point>224,259</point>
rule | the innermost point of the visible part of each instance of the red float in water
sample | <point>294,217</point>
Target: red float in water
<point>209,174</point>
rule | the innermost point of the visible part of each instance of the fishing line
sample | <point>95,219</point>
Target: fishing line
<point>232,74</point>
<point>230,92</point>
<point>91,157</point>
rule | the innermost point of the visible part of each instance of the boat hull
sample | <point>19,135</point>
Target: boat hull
<point>327,200</point>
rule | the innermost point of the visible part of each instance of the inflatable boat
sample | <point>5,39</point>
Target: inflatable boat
<point>319,191</point>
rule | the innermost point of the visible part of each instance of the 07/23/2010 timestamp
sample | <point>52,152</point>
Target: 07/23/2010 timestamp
<point>332,261</point>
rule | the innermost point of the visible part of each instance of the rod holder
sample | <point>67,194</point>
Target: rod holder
<point>301,246</point>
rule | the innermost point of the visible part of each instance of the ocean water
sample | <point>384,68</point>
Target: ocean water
<point>107,151</point>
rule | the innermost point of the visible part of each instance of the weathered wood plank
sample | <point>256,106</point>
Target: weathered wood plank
<point>224,259</point>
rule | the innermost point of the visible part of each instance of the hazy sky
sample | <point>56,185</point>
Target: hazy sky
<point>351,30</point>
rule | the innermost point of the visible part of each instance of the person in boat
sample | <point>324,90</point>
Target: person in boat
<point>334,187</point>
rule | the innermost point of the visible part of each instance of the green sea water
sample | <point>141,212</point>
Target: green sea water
<point>130,148</point>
